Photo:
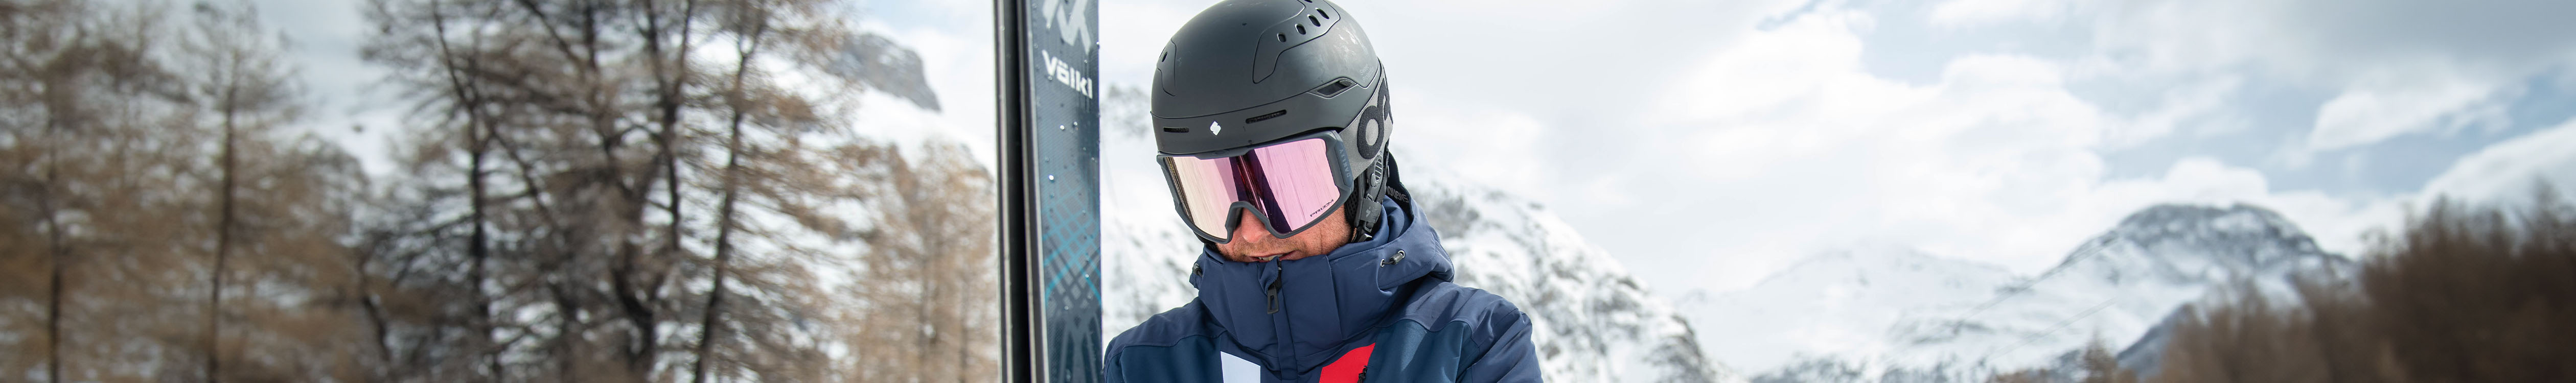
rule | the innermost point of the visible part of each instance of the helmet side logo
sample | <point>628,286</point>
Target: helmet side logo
<point>1213,128</point>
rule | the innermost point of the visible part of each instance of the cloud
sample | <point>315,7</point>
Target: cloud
<point>2384,107</point>
<point>1804,146</point>
<point>2393,67</point>
<point>2508,170</point>
<point>1973,12</point>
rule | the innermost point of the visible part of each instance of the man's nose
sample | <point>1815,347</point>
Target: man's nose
<point>1247,228</point>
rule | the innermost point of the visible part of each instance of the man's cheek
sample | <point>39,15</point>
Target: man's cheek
<point>1320,244</point>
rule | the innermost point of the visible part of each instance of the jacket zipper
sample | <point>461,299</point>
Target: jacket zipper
<point>1274,288</point>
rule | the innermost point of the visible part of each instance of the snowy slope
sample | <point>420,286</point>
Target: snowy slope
<point>1840,303</point>
<point>1891,307</point>
<point>1593,322</point>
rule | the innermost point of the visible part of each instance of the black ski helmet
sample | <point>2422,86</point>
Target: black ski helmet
<point>1249,72</point>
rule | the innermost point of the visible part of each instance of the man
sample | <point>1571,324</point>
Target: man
<point>1271,116</point>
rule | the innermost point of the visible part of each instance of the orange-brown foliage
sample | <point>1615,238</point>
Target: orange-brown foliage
<point>557,218</point>
<point>2462,294</point>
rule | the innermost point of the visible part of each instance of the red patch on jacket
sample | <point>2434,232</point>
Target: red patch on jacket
<point>1348,368</point>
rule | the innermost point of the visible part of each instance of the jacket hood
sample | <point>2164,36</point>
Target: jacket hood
<point>1294,316</point>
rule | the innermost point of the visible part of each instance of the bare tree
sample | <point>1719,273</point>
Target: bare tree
<point>596,190</point>
<point>2460,294</point>
<point>923,286</point>
<point>730,185</point>
<point>2100,366</point>
<point>631,199</point>
<point>79,81</point>
<point>235,76</point>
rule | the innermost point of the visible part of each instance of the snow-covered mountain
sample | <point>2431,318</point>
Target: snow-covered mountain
<point>1593,322</point>
<point>1840,303</point>
<point>1897,309</point>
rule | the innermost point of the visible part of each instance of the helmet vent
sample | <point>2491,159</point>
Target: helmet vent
<point>1176,129</point>
<point>1307,24</point>
<point>1335,88</point>
<point>1266,116</point>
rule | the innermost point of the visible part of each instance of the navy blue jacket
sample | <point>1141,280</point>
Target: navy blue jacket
<point>1377,311</point>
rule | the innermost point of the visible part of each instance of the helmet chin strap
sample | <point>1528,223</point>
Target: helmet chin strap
<point>1378,184</point>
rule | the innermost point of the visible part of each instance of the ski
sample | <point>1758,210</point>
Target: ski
<point>1049,137</point>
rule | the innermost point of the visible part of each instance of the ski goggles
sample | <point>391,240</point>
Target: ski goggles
<point>1288,185</point>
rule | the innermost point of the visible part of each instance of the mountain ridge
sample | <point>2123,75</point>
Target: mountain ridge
<point>2119,286</point>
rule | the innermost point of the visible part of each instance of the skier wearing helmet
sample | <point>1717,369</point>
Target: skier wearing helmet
<point>1271,119</point>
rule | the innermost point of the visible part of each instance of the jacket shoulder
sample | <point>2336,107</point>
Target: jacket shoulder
<point>1164,329</point>
<point>1444,303</point>
<point>1453,333</point>
<point>1174,346</point>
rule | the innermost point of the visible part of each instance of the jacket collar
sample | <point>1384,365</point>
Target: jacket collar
<point>1294,316</point>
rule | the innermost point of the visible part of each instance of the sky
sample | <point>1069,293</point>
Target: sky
<point>1708,143</point>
